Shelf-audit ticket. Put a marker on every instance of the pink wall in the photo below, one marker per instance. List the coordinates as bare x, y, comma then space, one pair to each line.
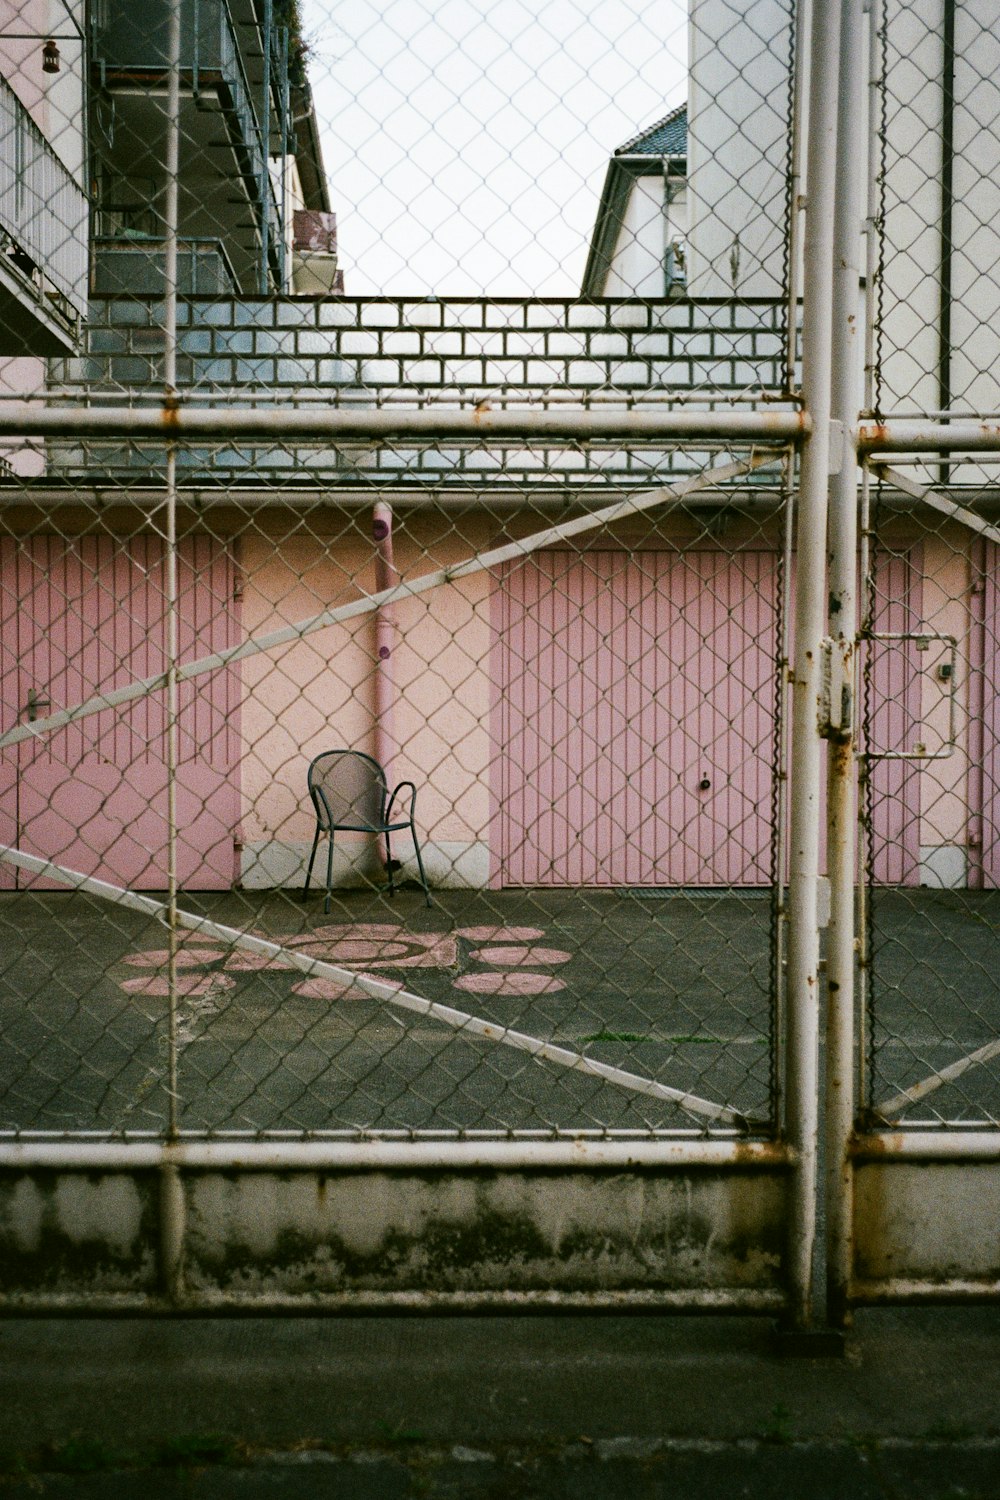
319, 693
617, 678
81, 617
637, 711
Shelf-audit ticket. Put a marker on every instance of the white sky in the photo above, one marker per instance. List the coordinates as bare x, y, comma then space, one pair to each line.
466, 143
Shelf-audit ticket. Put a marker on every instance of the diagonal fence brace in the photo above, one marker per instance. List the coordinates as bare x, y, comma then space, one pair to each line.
378, 989
632, 505
930, 1085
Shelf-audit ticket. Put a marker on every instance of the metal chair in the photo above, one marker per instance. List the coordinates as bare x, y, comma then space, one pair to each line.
350, 793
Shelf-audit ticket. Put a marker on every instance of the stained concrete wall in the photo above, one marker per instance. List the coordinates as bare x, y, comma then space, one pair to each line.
332, 1236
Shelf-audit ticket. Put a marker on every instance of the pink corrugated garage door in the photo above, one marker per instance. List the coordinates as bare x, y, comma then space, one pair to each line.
636, 718
87, 615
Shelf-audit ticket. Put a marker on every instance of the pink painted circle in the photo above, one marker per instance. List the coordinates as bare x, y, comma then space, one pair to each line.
158, 958
500, 934
512, 957
377, 930
240, 961
519, 983
356, 950
333, 989
187, 984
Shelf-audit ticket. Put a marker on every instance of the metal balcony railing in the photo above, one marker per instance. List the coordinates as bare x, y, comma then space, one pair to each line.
43, 213
135, 264
134, 40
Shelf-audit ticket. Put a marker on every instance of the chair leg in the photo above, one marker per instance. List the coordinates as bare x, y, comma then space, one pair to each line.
420, 865
388, 865
329, 876
312, 861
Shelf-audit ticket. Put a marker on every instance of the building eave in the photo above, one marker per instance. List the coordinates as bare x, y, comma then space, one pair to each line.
622, 172
309, 151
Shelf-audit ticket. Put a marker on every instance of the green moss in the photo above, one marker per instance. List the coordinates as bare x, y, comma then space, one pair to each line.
196, 1450
82, 1455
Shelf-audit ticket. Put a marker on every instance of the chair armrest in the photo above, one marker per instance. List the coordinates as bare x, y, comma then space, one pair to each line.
321, 808
395, 793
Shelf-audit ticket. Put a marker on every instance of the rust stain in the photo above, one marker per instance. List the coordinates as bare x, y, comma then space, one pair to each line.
874, 435
876, 1143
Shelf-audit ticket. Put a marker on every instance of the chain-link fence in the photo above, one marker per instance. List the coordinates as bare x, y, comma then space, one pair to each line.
931, 761
570, 654
418, 644
594, 901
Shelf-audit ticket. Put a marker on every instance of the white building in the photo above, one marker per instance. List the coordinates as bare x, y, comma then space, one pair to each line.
44, 209
638, 248
931, 187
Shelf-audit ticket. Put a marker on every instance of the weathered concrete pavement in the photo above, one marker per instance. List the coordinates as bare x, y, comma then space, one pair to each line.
544, 1407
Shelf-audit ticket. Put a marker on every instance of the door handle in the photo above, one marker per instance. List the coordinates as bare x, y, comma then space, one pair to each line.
35, 702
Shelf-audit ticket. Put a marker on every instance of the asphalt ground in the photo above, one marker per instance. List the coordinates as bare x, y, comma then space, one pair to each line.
670, 989
675, 986
536, 1408
671, 986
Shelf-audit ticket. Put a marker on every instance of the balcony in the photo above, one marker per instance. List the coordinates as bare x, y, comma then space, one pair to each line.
224, 128
43, 239
136, 265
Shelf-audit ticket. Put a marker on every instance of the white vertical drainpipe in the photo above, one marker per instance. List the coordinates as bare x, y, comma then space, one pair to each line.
385, 639
848, 359
801, 1110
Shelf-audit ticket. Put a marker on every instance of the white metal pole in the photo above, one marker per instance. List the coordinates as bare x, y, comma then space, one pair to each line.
253, 1151
847, 364
874, 196
872, 232
802, 1100
188, 420
172, 165
781, 771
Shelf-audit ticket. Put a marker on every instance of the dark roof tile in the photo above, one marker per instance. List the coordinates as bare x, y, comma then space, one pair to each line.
668, 137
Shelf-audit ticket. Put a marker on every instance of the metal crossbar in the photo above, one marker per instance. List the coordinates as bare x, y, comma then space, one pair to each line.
938, 502
888, 1109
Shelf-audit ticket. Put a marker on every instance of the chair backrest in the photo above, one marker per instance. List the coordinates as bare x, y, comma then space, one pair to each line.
348, 790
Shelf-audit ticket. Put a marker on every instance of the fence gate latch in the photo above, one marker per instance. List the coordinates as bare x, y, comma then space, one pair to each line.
836, 693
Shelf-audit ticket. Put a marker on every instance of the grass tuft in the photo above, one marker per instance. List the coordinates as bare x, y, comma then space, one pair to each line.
196, 1450
82, 1455
779, 1428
